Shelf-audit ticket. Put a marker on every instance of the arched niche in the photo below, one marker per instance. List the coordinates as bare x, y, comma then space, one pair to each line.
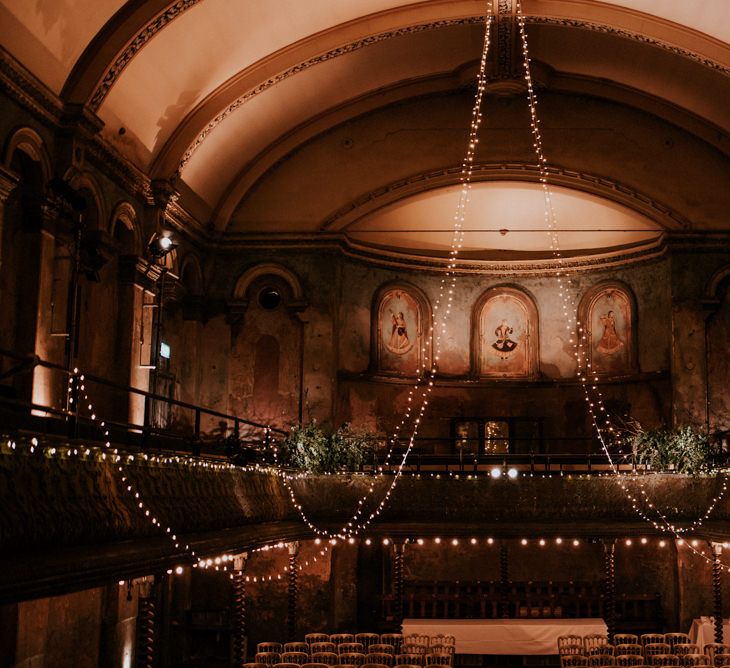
505, 334
191, 275
124, 229
29, 142
607, 329
401, 330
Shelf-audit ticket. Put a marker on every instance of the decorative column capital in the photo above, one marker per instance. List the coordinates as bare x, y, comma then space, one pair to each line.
8, 182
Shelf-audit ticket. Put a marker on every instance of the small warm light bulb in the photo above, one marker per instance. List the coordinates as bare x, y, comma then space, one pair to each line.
496, 473
542, 542
512, 473
643, 541
473, 541
559, 540
386, 541
454, 541
437, 540
629, 541
420, 541
490, 541
524, 541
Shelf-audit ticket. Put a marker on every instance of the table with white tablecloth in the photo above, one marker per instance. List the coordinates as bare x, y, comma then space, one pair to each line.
702, 631
505, 636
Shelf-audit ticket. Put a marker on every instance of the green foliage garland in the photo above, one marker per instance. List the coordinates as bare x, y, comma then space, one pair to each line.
314, 450
683, 450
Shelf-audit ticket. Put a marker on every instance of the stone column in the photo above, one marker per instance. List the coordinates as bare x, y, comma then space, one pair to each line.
292, 592
240, 630
717, 589
399, 549
609, 587
8, 183
146, 631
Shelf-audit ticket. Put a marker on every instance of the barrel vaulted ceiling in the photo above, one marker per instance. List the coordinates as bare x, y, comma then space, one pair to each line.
319, 117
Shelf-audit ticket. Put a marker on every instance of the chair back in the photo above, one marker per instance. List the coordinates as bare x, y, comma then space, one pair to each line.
651, 638
606, 649
442, 639
569, 640
573, 660
625, 639
653, 648
409, 659
413, 648
268, 658
269, 647
325, 646
347, 647
298, 646
367, 639
664, 660
395, 639
316, 637
353, 658
374, 665
601, 660
418, 639
380, 657
629, 648
439, 659
339, 638
673, 639
286, 664
721, 660
566, 650
629, 659
381, 648
686, 648
329, 658
314, 664
298, 658
712, 649
439, 647
695, 659
594, 640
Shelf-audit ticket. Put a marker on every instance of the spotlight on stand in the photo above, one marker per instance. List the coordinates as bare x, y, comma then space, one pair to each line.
160, 245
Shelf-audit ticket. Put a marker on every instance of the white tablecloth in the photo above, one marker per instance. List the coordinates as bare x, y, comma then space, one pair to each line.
505, 636
702, 631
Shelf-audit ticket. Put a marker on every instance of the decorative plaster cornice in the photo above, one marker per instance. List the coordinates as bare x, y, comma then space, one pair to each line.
592, 183
323, 57
134, 46
380, 37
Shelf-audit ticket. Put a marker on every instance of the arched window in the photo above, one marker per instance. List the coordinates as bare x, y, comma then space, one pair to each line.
401, 330
607, 316
505, 343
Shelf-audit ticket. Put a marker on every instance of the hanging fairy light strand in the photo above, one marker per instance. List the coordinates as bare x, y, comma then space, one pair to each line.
418, 395
579, 343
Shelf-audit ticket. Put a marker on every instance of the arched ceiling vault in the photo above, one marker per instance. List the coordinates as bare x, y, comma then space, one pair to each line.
221, 94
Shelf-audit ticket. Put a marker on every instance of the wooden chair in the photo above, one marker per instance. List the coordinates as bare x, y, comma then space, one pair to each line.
664, 660
695, 659
442, 639
569, 640
314, 664
311, 638
594, 640
367, 639
714, 648
413, 648
381, 648
353, 658
348, 647
440, 659
268, 658
654, 648
573, 660
683, 648
629, 659
651, 638
721, 660
269, 647
673, 639
329, 658
440, 647
607, 649
298, 646
601, 660
629, 648
339, 638
570, 650
297, 658
380, 657
417, 639
395, 639
326, 646
625, 639
410, 659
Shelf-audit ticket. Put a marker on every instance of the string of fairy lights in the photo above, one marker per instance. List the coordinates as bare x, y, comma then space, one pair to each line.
417, 398
580, 343
422, 389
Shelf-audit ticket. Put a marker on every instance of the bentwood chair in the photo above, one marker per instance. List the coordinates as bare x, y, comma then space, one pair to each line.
322, 647
339, 638
664, 660
413, 648
629, 659
625, 638
269, 647
712, 649
353, 658
395, 639
629, 648
374, 665
439, 659
298, 658
721, 660
569, 640
298, 646
673, 639
695, 659
651, 638
314, 664
311, 638
380, 657
607, 649
440, 647
347, 647
381, 648
328, 658
367, 639
683, 648
268, 658
654, 648
601, 660
594, 640
284, 664
409, 658
442, 639
573, 661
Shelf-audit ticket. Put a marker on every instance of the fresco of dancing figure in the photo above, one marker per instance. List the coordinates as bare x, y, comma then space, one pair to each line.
399, 331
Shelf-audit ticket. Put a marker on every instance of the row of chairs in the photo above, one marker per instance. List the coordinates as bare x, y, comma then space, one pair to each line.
441, 657
638, 661
324, 665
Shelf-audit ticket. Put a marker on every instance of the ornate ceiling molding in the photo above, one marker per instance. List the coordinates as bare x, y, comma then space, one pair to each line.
134, 47
505, 45
594, 184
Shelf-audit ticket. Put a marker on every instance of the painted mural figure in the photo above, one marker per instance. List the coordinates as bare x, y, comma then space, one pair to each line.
399, 342
504, 345
610, 341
